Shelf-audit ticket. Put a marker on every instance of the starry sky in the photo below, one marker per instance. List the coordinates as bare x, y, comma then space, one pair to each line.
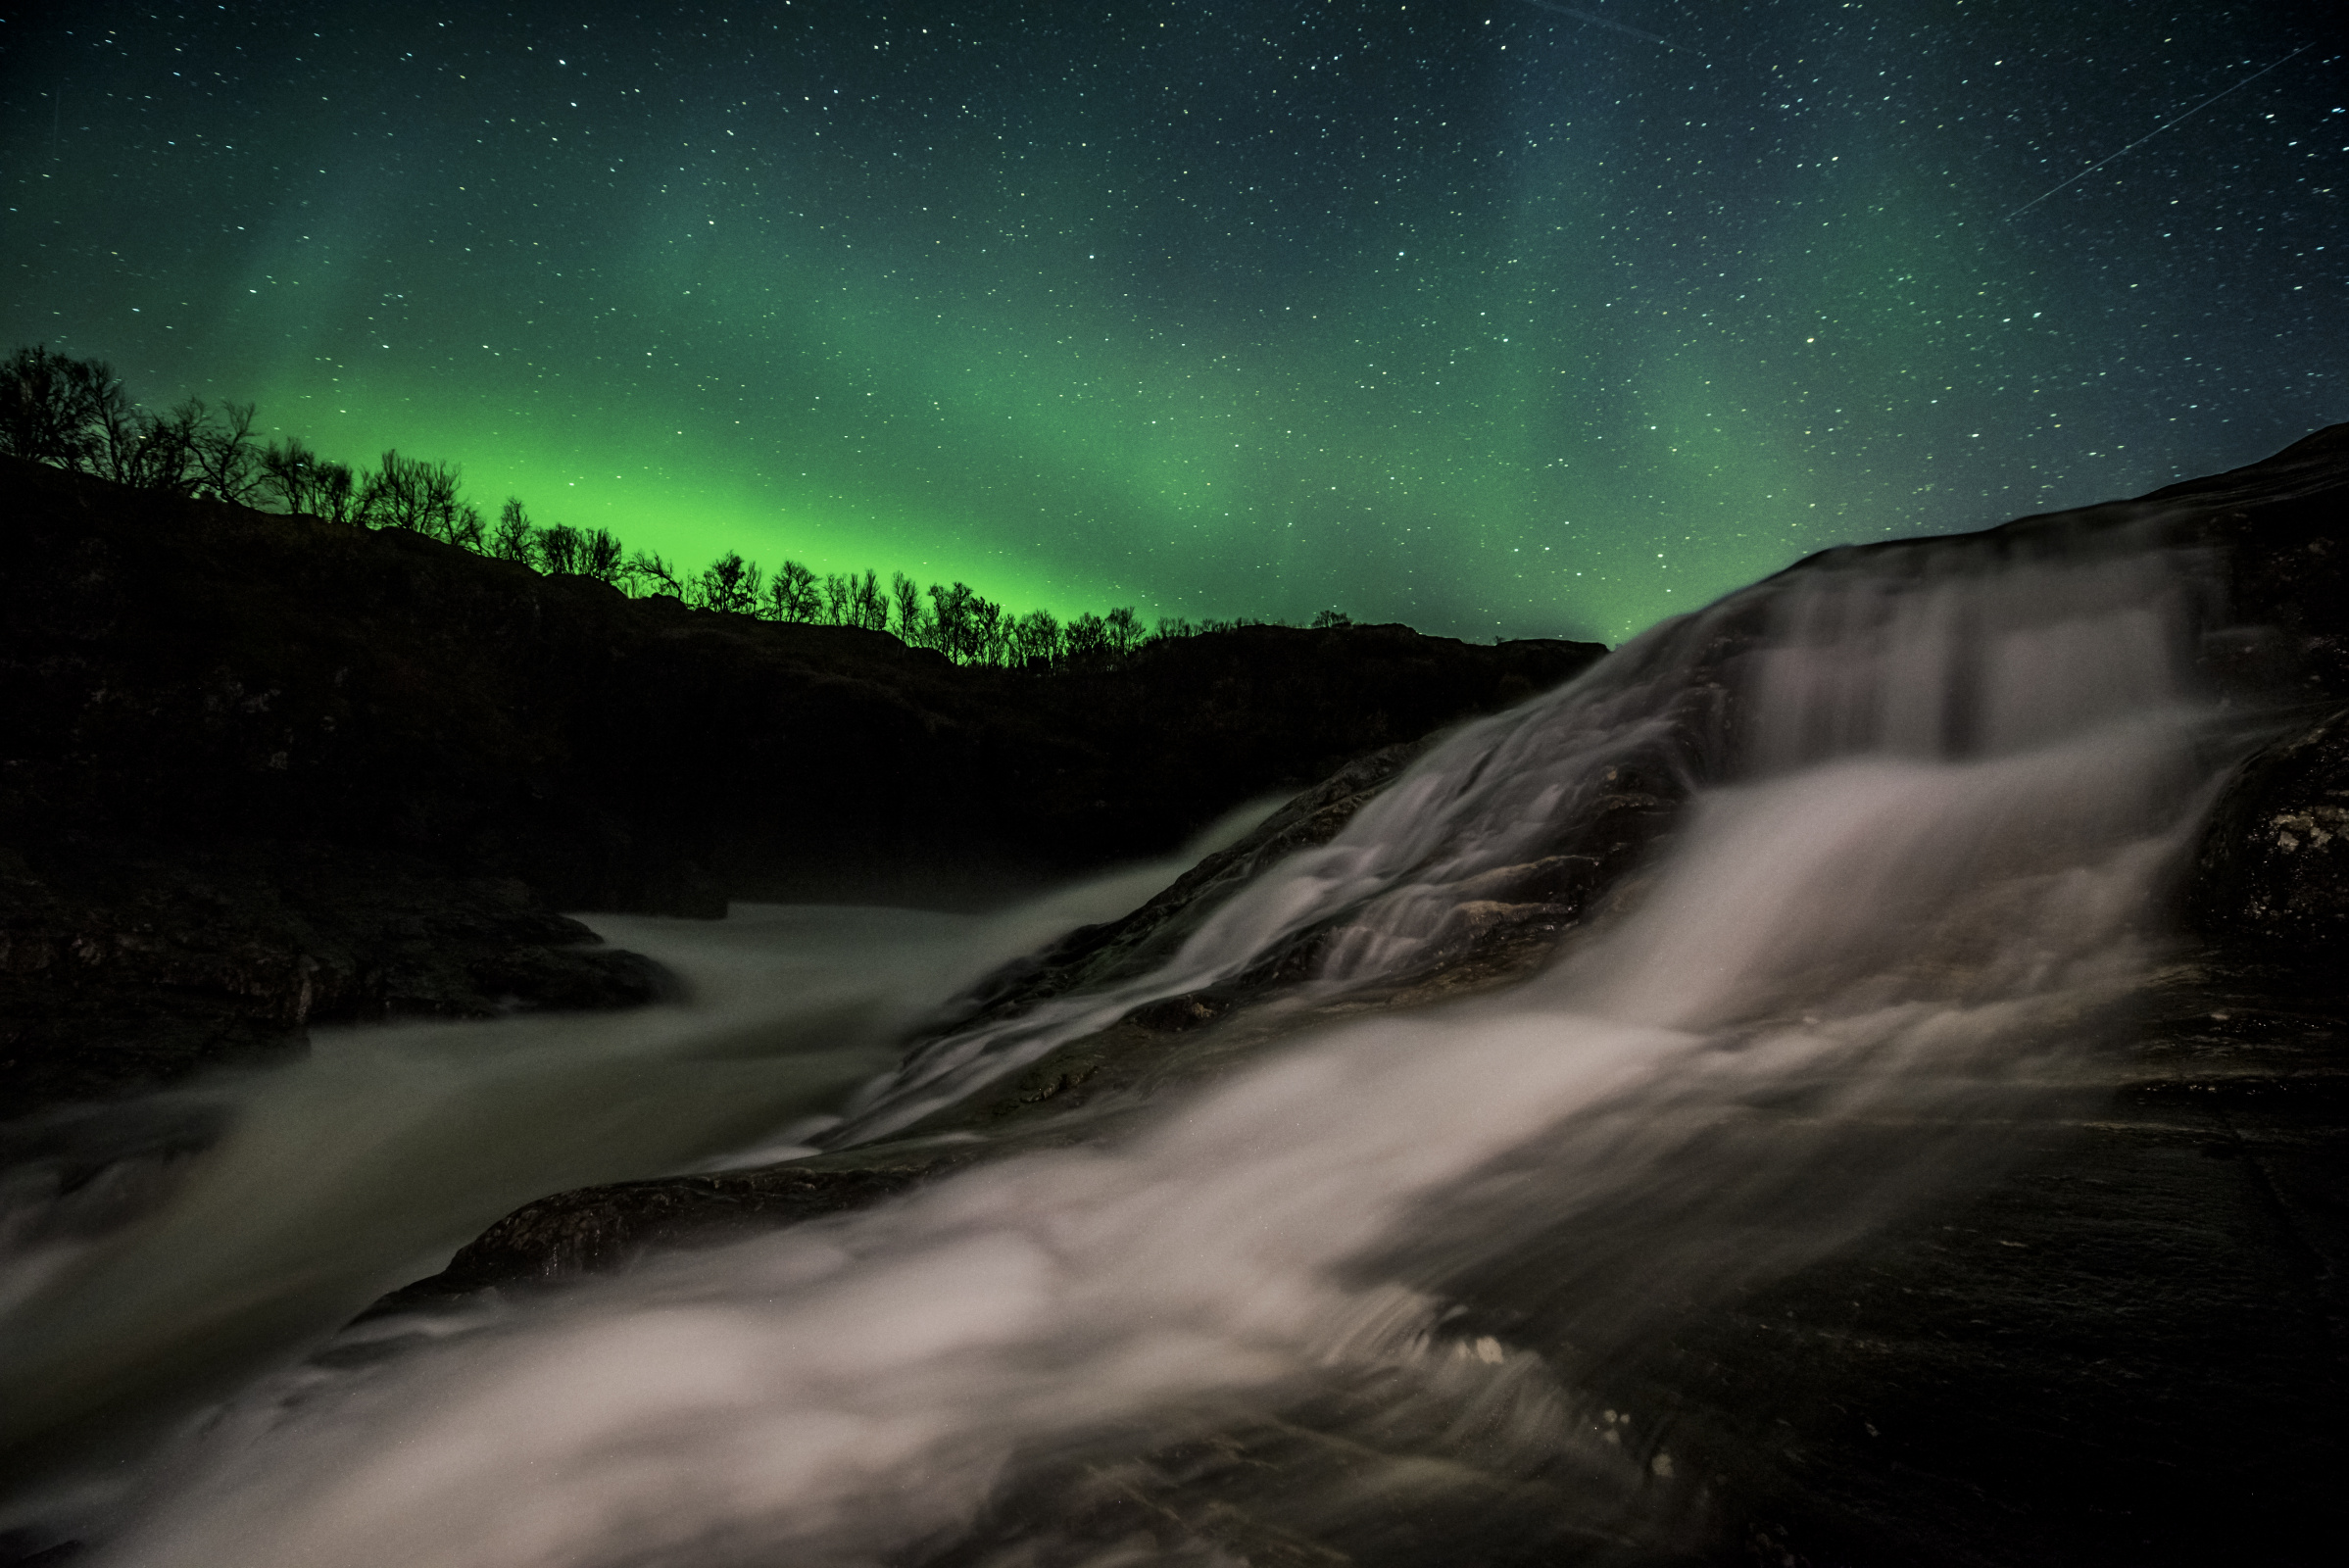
1501, 319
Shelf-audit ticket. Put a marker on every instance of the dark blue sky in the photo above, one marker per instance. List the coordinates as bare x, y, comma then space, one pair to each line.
1487, 317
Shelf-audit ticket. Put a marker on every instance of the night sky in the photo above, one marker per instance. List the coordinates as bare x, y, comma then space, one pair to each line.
1499, 318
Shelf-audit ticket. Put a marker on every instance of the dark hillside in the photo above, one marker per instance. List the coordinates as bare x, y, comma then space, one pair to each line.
188, 681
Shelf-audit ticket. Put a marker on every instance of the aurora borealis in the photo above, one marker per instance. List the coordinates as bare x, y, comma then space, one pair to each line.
1499, 319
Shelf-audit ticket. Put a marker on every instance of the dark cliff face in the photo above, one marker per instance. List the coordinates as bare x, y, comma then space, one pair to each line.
276, 712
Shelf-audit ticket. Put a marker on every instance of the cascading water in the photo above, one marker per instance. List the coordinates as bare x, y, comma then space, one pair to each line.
1935, 790
323, 1184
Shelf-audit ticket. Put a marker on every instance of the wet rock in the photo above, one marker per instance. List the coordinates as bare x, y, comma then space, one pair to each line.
278, 712
2273, 871
600, 1228
1096, 956
126, 964
2125, 1349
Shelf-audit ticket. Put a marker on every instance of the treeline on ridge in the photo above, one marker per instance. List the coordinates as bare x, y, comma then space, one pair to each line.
75, 414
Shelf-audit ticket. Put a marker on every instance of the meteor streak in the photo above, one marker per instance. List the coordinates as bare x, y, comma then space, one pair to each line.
2141, 140
1584, 15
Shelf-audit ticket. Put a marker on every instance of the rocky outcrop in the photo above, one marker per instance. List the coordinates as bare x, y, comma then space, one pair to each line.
2269, 885
2274, 873
2129, 1349
127, 963
2126, 1350
596, 1229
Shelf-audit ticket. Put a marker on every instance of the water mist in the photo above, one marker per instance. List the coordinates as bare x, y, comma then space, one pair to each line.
1380, 1273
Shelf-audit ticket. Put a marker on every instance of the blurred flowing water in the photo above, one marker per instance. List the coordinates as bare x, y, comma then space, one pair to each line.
1377, 1277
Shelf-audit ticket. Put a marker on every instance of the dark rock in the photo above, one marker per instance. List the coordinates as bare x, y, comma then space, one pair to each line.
196, 671
2127, 1348
2128, 1351
126, 965
2273, 872
282, 721
598, 1229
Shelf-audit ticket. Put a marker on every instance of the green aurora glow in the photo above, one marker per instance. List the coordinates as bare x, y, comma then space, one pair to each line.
1488, 322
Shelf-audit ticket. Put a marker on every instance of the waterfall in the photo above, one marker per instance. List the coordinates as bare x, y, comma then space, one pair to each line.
1382, 1270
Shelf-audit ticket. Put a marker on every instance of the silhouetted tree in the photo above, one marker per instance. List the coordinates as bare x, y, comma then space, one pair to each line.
466, 529
1327, 619
868, 602
60, 409
839, 598
793, 594
559, 549
1036, 638
950, 619
51, 407
291, 473
410, 493
730, 585
912, 623
227, 464
600, 556
990, 632
149, 452
513, 538
645, 575
337, 493
441, 510
1087, 637
590, 553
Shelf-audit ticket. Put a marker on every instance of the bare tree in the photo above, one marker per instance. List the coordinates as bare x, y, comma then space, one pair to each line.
336, 495
647, 576
228, 466
51, 407
1036, 638
389, 497
1123, 630
868, 602
950, 619
149, 452
442, 511
291, 472
559, 549
792, 595
465, 527
988, 632
912, 622
840, 590
410, 493
1086, 637
512, 538
729, 584
600, 556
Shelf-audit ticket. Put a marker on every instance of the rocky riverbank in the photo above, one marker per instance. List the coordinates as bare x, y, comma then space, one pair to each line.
2122, 1342
2128, 1348
260, 771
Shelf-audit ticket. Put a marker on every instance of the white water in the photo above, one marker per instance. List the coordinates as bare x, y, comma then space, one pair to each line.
352, 1172
1943, 786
